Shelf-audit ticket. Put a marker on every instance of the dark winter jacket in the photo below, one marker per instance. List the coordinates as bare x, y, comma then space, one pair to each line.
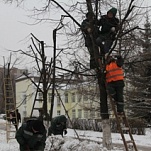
95, 32
28, 140
84, 26
58, 125
18, 116
107, 23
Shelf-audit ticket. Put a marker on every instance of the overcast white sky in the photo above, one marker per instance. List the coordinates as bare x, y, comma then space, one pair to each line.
14, 31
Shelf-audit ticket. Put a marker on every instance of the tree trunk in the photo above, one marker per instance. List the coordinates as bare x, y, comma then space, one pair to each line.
104, 111
107, 141
102, 86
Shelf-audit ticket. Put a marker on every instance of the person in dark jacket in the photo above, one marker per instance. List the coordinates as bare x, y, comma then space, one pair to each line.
16, 118
91, 32
109, 27
31, 136
115, 81
58, 126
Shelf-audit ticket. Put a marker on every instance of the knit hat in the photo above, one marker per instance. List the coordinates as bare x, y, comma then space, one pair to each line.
37, 125
113, 11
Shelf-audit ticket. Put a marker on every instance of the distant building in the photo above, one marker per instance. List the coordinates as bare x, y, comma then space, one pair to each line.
79, 101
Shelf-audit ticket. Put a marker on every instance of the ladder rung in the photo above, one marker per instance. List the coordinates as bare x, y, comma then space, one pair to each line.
9, 100
11, 138
14, 117
130, 141
11, 131
125, 128
38, 99
8, 117
10, 125
8, 111
8, 103
37, 108
8, 90
8, 85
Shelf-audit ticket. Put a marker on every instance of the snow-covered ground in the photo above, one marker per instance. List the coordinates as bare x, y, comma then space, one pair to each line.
88, 141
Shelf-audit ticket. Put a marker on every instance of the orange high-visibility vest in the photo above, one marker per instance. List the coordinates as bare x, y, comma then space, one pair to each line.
114, 72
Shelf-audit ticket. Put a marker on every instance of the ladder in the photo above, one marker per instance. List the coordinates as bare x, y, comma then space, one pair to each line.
36, 104
10, 106
123, 125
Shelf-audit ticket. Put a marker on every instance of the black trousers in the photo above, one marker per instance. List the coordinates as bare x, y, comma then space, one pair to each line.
115, 89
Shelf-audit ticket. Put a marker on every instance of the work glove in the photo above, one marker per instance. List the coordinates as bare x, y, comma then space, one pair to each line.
89, 30
65, 132
113, 29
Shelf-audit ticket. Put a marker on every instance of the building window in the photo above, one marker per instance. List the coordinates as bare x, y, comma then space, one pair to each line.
79, 97
92, 114
74, 113
98, 114
49, 97
73, 97
85, 98
85, 114
79, 113
58, 112
66, 97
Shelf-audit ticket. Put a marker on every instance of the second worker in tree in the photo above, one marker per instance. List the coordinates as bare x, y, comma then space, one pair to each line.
109, 27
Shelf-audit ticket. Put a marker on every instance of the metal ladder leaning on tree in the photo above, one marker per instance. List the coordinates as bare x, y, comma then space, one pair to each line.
38, 103
123, 125
39, 106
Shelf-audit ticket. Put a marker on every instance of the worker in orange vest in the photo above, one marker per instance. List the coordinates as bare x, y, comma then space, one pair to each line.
115, 80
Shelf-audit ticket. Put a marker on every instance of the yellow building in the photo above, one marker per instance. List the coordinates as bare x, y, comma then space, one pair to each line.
77, 100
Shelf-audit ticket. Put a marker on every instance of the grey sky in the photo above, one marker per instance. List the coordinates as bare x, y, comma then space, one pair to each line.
15, 32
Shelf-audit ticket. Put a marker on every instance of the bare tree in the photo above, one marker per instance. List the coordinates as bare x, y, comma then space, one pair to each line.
43, 67
124, 41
